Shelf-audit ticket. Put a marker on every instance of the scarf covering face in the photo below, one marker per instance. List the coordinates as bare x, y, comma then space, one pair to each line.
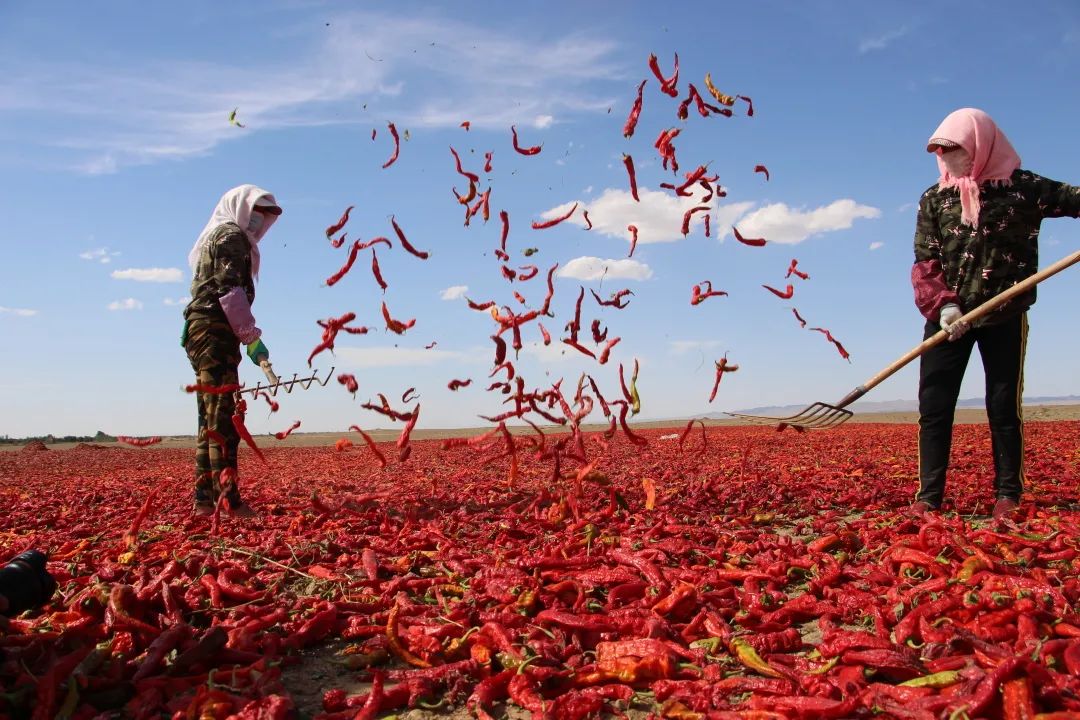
236, 206
993, 158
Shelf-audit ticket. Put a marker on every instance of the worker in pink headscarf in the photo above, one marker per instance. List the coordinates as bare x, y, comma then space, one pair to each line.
976, 235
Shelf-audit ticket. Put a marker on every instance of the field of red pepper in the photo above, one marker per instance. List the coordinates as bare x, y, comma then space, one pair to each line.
746, 574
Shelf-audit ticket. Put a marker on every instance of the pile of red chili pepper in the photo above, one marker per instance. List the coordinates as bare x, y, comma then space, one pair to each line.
731, 573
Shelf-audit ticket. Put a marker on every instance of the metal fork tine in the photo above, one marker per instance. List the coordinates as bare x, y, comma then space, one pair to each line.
818, 416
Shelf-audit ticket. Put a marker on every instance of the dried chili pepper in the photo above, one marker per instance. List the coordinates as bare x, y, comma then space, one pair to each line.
349, 381
332, 280
632, 229
395, 326
554, 221
792, 270
802, 323
689, 214
397, 146
588, 222
285, 433
242, 431
371, 444
784, 294
546, 335
762, 169
377, 271
749, 104
333, 229
487, 161
753, 242
454, 385
722, 367
635, 112
828, 336
614, 301
628, 161
535, 149
473, 177
423, 255
721, 98
667, 85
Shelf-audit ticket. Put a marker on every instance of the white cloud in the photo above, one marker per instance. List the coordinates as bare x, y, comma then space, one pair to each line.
880, 42
454, 292
160, 275
179, 301
658, 217
876, 244
587, 190
390, 356
905, 207
126, 304
20, 312
594, 268
107, 113
101, 255
681, 347
779, 223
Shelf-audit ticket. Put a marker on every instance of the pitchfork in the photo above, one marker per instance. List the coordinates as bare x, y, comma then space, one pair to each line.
274, 384
821, 415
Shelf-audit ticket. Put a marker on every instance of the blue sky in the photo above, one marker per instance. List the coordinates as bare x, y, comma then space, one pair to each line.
115, 146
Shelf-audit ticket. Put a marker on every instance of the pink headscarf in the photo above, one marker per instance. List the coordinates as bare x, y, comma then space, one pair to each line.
993, 157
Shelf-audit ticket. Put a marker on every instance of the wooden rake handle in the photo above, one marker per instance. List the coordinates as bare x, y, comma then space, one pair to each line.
940, 336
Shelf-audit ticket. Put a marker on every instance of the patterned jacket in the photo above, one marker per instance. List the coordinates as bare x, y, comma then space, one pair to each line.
225, 263
957, 263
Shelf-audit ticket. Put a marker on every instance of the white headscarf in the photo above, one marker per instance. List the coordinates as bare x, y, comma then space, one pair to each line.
236, 206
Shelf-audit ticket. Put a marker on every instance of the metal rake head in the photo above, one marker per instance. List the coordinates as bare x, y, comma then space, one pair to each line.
289, 385
818, 416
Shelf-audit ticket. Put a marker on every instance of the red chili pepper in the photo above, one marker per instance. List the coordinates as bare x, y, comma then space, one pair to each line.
762, 169
330, 281
508, 273
405, 395
455, 385
753, 242
131, 537
526, 150
783, 295
349, 381
828, 336
395, 326
802, 323
588, 222
603, 358
405, 243
527, 272
635, 113
473, 177
397, 146
333, 229
708, 226
371, 444
487, 161
242, 431
376, 271
689, 214
749, 104
406, 432
285, 433
703, 291
614, 301
138, 442
628, 161
227, 389
545, 334
792, 270
666, 149
722, 367
632, 229
667, 85
554, 221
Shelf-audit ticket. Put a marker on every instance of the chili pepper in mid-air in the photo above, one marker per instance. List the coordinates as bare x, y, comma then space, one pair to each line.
138, 442
546, 335
666, 149
431, 344
330, 281
527, 272
457, 160
523, 150
242, 431
721, 98
828, 336
615, 300
377, 271
487, 160
635, 399
405, 395
603, 357
798, 273
554, 221
628, 161
782, 294
466, 125
762, 169
689, 214
285, 433
802, 323
691, 178
371, 444
708, 226
455, 385
632, 229
588, 222
405, 243
333, 229
752, 242
397, 146
482, 307
635, 112
749, 104
349, 381
213, 389
667, 85
597, 336
703, 108
688, 428
395, 326
722, 367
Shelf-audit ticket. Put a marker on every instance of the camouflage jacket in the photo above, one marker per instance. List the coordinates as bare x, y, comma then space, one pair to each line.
225, 263
966, 265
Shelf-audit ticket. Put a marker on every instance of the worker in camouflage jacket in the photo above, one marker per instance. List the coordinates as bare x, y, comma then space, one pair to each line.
977, 235
218, 320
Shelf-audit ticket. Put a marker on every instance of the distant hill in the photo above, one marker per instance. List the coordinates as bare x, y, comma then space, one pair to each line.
887, 406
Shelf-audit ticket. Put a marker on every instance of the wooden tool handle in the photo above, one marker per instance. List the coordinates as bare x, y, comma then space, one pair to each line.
268, 370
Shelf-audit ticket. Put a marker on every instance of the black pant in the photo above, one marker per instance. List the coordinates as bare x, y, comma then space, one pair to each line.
941, 371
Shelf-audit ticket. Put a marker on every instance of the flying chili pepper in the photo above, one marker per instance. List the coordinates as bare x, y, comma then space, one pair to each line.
338, 242
397, 146
762, 169
509, 273
691, 178
233, 120
667, 85
840, 348
722, 367
554, 221
269, 400
374, 132
466, 125
457, 160
635, 398
333, 229
330, 281
791, 270
688, 215
454, 385
703, 291
482, 307
376, 271
213, 389
487, 161
802, 323
721, 98
629, 163
588, 222
579, 347
597, 336
405, 243
603, 357
526, 150
371, 444
783, 295
431, 344
752, 242
688, 428
527, 272
395, 326
615, 300
666, 149
349, 381
138, 442
632, 229
405, 395
749, 103
708, 226
285, 433
545, 334
635, 112
703, 107
242, 431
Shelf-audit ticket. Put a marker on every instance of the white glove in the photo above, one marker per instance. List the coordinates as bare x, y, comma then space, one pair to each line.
950, 315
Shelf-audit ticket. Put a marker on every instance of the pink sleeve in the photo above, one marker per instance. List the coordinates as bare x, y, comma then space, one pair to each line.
238, 311
931, 292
